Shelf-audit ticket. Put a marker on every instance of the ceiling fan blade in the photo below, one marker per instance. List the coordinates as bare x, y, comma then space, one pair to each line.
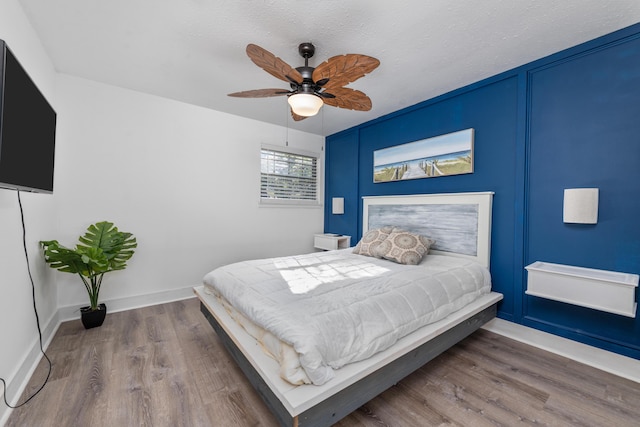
259, 93
344, 69
297, 117
350, 99
272, 64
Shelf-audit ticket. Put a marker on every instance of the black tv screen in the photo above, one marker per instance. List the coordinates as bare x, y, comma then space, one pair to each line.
27, 130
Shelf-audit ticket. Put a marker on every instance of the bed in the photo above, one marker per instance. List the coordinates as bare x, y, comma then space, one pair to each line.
460, 225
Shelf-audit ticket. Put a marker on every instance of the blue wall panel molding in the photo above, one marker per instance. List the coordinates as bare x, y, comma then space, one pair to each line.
491, 110
601, 339
584, 131
341, 180
569, 120
520, 203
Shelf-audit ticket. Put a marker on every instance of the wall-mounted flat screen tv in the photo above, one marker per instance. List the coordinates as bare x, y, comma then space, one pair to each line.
27, 129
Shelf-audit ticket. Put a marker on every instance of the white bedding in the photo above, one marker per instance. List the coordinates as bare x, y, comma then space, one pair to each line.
337, 307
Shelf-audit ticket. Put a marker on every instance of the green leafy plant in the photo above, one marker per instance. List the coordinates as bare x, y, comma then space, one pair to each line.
102, 249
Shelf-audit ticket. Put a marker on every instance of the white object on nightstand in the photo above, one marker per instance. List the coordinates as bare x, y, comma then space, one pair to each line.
330, 241
603, 290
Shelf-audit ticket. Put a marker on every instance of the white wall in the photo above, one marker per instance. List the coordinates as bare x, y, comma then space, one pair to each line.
18, 333
183, 179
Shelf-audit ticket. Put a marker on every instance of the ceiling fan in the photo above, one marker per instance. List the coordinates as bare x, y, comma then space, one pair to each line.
313, 87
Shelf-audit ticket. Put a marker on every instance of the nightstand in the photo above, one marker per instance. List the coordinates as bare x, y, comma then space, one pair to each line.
331, 241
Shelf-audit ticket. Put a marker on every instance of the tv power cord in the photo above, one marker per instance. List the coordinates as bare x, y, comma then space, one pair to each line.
35, 310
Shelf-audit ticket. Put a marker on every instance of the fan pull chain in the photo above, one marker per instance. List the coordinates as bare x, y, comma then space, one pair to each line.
286, 142
323, 135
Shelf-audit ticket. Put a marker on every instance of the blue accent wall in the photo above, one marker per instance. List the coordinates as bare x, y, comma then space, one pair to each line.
341, 180
569, 120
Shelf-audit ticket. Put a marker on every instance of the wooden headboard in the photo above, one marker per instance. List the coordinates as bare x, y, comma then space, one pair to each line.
460, 223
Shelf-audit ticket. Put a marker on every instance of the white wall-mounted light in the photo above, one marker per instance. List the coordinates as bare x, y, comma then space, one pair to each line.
580, 206
337, 205
305, 104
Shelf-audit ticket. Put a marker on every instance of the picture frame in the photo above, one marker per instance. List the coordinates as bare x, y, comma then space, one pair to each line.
443, 155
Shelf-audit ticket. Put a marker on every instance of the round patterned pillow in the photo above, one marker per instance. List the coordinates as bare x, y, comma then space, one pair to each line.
371, 240
404, 247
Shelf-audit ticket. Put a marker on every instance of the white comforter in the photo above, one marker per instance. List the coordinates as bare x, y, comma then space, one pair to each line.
337, 307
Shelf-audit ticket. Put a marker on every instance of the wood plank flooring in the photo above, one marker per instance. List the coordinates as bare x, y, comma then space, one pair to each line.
164, 366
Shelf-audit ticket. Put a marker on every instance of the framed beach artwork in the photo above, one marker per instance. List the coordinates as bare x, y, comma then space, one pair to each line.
450, 154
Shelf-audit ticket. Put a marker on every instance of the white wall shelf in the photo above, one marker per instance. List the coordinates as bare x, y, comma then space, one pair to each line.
331, 241
603, 290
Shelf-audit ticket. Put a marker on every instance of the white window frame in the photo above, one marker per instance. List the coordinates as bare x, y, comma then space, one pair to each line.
293, 202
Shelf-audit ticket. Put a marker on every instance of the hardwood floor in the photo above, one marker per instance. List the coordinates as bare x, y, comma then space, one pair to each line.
164, 366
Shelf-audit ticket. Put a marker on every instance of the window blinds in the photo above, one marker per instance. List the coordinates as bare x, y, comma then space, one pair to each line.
288, 176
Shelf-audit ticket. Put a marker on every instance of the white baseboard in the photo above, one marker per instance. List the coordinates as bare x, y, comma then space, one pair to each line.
71, 312
607, 361
17, 382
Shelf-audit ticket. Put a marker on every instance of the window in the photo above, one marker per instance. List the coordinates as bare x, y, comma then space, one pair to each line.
288, 177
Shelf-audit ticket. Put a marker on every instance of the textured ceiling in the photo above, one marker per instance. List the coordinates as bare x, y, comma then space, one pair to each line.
194, 50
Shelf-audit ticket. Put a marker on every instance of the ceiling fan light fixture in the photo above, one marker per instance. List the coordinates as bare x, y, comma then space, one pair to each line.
312, 87
305, 104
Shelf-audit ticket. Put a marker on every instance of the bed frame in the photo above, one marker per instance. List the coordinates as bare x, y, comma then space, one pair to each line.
357, 383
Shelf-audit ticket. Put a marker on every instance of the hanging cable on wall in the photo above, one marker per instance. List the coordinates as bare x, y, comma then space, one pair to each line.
35, 310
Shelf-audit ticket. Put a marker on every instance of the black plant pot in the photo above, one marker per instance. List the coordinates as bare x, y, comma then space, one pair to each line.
93, 318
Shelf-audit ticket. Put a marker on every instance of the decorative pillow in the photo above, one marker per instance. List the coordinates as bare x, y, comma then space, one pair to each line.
404, 247
371, 239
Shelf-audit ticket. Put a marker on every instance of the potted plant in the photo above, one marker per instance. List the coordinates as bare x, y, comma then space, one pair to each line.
102, 249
